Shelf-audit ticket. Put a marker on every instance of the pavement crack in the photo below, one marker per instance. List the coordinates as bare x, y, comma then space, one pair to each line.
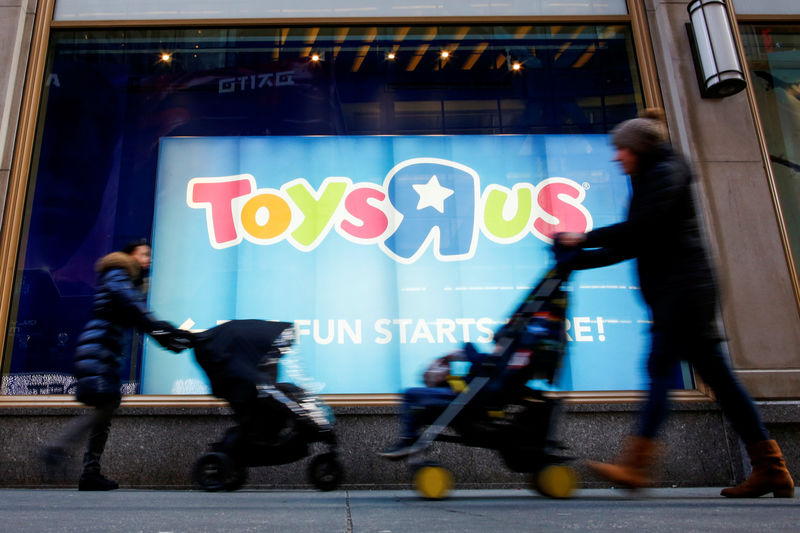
348, 515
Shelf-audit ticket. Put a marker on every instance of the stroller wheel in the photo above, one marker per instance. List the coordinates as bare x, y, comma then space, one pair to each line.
213, 471
325, 472
433, 481
554, 481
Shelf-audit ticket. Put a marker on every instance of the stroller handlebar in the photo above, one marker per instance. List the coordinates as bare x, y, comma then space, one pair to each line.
564, 256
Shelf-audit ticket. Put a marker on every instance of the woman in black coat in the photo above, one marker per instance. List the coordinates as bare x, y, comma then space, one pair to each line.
119, 304
677, 282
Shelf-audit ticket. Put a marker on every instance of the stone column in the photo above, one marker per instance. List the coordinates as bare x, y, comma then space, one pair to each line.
16, 29
759, 309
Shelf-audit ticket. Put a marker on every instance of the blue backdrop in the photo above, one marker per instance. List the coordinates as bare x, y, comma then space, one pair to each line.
386, 251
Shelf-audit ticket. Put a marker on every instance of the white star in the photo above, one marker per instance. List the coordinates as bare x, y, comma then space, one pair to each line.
432, 194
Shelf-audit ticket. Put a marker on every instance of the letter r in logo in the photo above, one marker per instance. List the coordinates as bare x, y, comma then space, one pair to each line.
437, 200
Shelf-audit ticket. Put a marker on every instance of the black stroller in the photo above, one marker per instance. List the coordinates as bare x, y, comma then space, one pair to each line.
496, 409
275, 422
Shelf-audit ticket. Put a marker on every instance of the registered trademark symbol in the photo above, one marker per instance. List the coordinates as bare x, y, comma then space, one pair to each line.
585, 185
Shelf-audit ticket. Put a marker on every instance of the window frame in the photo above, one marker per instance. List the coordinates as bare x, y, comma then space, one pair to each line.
761, 134
23, 158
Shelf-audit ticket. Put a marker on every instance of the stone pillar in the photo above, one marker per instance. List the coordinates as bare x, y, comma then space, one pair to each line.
16, 29
759, 308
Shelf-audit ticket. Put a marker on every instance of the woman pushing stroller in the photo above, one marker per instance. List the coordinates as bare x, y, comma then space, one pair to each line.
677, 282
119, 304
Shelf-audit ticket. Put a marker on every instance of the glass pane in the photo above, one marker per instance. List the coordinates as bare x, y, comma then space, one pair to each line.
324, 121
773, 57
78, 10
760, 7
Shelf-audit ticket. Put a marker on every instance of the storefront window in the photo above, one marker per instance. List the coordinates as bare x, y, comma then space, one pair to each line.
85, 10
759, 7
328, 133
773, 57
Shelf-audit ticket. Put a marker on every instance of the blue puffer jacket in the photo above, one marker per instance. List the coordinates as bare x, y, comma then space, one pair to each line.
118, 304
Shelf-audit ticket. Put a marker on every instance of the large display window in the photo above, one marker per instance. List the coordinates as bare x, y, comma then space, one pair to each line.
392, 190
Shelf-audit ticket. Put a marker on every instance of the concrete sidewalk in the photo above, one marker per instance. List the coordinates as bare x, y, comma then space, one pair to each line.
389, 511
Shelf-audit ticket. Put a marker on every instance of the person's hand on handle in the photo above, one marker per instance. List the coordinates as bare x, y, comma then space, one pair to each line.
570, 238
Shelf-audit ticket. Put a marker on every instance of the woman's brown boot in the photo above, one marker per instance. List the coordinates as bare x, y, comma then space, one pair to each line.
769, 474
632, 468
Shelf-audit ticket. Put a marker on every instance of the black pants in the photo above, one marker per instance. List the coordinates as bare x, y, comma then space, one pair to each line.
243, 399
709, 361
97, 425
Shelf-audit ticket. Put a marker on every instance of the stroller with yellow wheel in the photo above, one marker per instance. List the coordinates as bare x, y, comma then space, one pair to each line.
493, 406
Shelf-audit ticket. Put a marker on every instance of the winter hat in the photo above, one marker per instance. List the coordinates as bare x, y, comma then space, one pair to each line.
643, 134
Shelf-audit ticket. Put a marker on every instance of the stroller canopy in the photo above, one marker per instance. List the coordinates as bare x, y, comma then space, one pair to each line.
235, 350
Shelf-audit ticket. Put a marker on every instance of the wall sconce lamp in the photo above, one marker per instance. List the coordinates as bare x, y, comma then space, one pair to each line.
716, 59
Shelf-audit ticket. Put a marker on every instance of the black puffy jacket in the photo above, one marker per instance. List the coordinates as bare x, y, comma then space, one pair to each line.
118, 304
662, 233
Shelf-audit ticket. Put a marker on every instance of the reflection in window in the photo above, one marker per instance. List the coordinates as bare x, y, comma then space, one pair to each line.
773, 56
110, 95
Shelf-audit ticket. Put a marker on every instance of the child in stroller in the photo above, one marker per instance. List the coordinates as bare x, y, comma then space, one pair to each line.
493, 406
275, 422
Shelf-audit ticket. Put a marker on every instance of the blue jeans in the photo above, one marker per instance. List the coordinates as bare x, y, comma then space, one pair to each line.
421, 405
711, 365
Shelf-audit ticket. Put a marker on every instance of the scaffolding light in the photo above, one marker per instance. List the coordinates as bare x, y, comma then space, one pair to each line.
716, 58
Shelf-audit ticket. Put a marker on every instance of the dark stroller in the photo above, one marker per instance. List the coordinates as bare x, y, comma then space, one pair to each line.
496, 409
275, 422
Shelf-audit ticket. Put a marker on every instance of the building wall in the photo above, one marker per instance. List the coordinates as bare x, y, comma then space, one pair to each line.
157, 447
16, 28
759, 305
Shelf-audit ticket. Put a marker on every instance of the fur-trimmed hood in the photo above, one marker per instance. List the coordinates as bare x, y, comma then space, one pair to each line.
119, 260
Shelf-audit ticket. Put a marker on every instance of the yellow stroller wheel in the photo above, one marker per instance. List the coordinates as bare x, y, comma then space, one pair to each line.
554, 481
433, 481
